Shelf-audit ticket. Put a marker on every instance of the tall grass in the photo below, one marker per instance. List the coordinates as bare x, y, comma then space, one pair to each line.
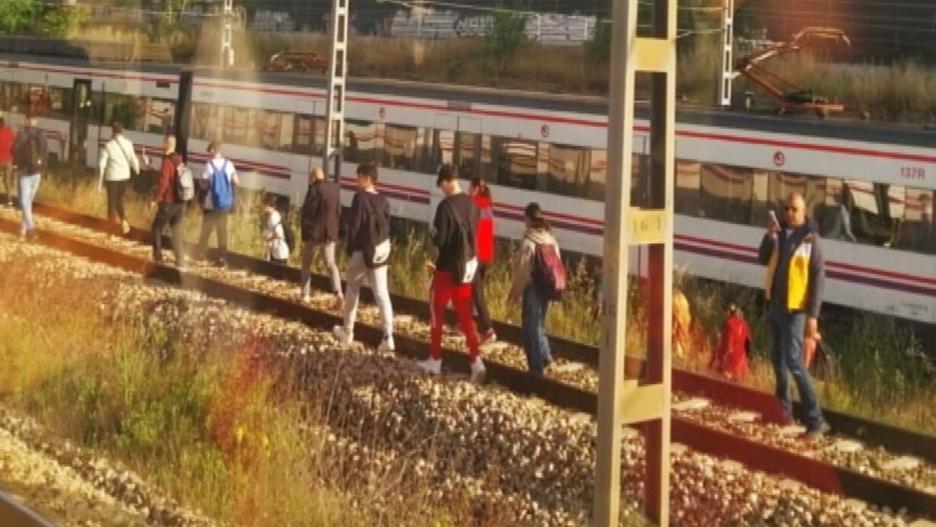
205, 417
884, 349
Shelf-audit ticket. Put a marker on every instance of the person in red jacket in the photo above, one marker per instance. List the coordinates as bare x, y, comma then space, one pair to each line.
730, 358
480, 193
6, 161
169, 207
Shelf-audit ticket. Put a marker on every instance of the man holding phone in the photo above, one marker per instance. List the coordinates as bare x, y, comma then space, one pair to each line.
795, 278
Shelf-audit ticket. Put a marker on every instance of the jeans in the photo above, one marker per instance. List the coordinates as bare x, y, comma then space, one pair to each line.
168, 214
444, 289
377, 277
533, 324
787, 334
480, 302
115, 199
28, 187
308, 254
214, 221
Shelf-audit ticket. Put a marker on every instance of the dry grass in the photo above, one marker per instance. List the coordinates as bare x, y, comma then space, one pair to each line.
206, 420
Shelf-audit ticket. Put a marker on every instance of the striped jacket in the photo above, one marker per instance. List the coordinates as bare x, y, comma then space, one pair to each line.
795, 268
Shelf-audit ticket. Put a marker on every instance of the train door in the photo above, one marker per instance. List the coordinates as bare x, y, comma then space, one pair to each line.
80, 119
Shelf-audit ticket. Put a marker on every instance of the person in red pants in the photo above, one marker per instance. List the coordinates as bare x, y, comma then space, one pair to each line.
454, 228
730, 358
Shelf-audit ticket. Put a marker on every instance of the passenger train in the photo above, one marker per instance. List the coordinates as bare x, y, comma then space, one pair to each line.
870, 186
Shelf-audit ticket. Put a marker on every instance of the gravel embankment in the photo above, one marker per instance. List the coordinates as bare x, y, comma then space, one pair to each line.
531, 461
841, 451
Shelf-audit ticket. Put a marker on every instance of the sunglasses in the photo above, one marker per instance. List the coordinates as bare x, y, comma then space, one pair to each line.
790, 209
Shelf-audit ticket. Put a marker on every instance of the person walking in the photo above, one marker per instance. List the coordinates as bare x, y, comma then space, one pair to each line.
219, 182
480, 193
168, 203
321, 211
6, 161
535, 301
116, 165
454, 227
795, 279
29, 156
369, 256
273, 231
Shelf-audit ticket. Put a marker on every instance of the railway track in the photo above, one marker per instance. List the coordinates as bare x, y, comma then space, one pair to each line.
15, 514
691, 425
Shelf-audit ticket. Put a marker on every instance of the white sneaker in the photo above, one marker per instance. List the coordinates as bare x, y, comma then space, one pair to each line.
477, 370
345, 337
430, 366
386, 344
125, 227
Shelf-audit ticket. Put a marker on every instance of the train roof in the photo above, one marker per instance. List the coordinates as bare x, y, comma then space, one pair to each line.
805, 125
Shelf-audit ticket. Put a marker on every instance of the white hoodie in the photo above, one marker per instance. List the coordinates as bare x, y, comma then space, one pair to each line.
116, 160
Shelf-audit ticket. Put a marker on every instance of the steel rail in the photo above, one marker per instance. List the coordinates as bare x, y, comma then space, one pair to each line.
820, 475
15, 514
895, 439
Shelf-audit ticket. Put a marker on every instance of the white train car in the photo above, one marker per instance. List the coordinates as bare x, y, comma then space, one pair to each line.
731, 168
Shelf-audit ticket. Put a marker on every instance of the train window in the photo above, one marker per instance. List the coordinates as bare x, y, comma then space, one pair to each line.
444, 148
726, 193
268, 129
119, 108
237, 125
10, 96
567, 169
206, 121
516, 163
486, 168
466, 157
400, 147
918, 230
780, 185
60, 102
868, 207
597, 175
360, 144
425, 151
688, 181
309, 136
760, 198
154, 115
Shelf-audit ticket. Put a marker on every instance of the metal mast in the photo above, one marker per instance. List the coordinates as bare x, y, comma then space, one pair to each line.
227, 34
727, 72
337, 75
625, 401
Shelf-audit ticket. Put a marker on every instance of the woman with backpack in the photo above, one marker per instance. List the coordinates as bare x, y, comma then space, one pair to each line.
480, 193
273, 231
538, 279
169, 201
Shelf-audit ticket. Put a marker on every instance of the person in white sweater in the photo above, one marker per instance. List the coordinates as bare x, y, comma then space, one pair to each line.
117, 163
273, 232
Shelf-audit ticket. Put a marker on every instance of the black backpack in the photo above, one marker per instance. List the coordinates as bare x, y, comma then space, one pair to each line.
464, 246
378, 227
29, 154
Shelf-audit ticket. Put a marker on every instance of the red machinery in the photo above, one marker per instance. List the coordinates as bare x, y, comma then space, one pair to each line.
795, 98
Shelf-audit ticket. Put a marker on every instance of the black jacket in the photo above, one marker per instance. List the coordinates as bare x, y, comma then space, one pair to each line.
320, 212
362, 206
445, 227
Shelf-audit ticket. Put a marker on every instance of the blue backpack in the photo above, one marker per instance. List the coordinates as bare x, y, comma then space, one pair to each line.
222, 192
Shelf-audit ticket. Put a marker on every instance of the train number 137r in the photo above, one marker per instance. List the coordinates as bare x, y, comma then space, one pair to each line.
916, 173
